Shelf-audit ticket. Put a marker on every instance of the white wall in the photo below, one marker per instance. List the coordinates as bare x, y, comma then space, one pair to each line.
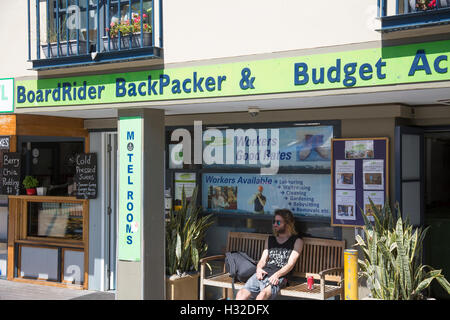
14, 39
206, 29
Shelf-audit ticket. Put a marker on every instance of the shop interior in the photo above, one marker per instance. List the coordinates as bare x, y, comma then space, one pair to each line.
437, 205
52, 163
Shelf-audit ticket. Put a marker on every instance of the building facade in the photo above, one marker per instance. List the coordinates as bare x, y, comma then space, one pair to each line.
123, 80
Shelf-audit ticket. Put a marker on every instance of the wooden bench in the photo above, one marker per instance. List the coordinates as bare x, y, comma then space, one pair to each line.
321, 258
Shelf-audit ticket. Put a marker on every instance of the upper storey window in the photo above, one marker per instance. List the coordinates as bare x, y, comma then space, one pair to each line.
82, 32
407, 14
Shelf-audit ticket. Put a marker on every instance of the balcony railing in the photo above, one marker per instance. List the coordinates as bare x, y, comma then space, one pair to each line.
408, 14
65, 33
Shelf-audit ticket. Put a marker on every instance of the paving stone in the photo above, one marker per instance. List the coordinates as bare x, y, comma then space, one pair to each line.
10, 290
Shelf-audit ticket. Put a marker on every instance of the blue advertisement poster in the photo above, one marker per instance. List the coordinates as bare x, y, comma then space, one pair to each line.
306, 147
307, 195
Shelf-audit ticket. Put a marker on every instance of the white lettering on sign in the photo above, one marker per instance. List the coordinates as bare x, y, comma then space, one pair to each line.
7, 161
6, 95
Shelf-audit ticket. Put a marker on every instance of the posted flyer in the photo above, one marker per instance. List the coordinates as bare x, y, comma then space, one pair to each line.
377, 198
187, 181
359, 149
345, 204
345, 174
373, 177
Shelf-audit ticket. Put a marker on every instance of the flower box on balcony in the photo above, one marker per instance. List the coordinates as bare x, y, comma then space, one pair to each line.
424, 5
125, 41
53, 52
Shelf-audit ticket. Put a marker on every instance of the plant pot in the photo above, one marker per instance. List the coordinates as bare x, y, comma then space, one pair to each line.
182, 288
114, 43
146, 37
125, 42
31, 191
52, 53
41, 191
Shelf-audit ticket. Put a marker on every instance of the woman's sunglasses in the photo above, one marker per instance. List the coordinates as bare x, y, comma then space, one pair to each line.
277, 222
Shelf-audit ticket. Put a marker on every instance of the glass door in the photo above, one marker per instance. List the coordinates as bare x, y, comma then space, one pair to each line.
409, 168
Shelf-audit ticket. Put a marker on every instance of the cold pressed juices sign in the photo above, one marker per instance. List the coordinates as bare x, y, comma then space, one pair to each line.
130, 188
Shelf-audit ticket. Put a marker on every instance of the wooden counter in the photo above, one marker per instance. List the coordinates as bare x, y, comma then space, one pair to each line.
20, 236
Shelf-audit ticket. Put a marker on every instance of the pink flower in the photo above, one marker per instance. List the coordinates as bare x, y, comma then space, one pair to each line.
144, 15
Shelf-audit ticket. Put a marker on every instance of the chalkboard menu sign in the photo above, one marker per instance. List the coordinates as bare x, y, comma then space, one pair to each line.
86, 175
4, 147
10, 173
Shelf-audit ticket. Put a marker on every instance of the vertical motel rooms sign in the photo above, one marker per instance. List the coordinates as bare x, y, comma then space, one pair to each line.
130, 188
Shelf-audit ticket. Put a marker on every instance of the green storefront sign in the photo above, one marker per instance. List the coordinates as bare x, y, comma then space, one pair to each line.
413, 63
6, 95
130, 188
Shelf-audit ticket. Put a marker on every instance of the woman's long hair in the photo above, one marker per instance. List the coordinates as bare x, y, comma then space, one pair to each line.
288, 218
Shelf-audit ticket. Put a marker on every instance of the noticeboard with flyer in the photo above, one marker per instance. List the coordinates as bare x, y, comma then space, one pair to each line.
359, 174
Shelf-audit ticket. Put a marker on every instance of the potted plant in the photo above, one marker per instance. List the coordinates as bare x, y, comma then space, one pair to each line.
50, 48
185, 232
128, 29
422, 5
392, 263
30, 183
41, 191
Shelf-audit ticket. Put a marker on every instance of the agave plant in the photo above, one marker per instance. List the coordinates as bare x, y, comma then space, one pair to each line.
392, 262
185, 232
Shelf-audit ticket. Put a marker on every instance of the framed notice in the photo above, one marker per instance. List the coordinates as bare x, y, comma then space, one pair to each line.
359, 174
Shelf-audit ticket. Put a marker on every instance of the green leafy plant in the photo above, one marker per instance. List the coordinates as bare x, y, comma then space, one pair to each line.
185, 232
127, 27
392, 262
30, 182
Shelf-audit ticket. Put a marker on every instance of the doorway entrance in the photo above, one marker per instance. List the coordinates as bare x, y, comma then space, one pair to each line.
437, 204
111, 185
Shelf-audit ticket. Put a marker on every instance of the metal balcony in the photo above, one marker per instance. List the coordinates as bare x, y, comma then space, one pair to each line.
409, 14
64, 33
